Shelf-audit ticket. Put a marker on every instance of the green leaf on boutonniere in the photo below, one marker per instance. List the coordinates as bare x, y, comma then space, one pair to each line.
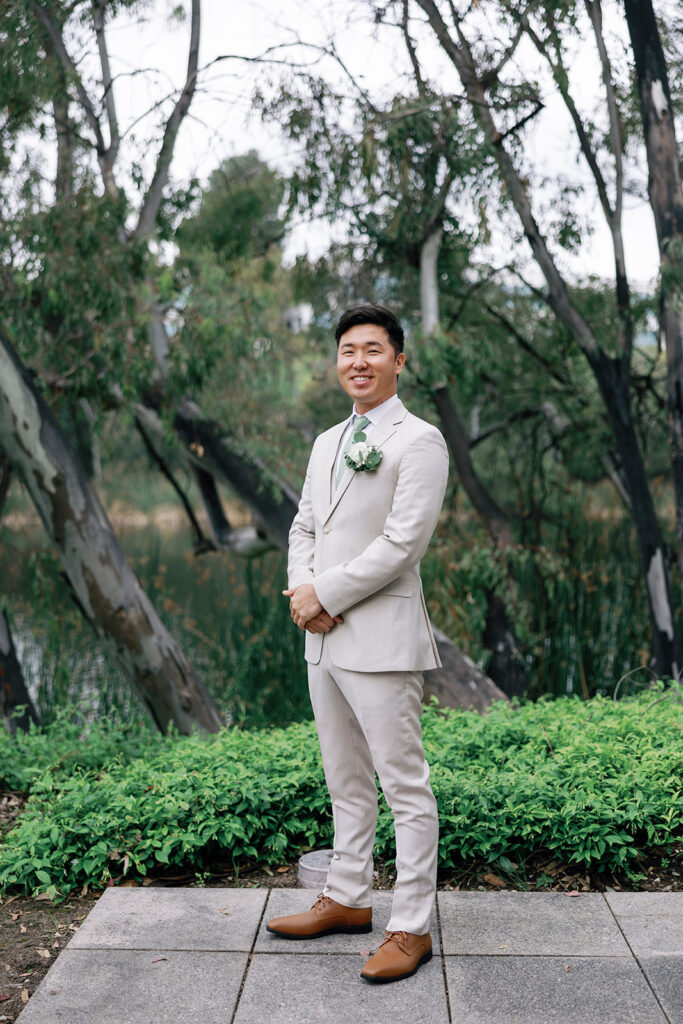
373, 460
358, 436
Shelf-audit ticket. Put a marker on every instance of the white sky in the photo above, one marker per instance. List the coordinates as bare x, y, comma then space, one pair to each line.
220, 124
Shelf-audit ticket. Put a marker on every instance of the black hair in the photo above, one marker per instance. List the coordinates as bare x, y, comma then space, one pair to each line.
367, 313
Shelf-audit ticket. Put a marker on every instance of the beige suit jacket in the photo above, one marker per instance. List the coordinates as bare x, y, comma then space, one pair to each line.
361, 545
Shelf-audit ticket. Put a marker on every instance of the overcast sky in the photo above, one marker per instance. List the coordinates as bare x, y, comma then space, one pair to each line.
221, 125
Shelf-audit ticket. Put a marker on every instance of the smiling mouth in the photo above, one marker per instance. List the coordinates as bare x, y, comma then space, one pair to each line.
360, 380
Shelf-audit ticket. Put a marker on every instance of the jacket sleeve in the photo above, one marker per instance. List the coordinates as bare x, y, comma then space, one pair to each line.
302, 537
420, 488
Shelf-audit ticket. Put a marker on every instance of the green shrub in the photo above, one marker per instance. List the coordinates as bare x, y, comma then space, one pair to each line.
593, 782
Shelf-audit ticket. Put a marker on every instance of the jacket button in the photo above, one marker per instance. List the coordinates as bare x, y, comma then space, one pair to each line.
326, 531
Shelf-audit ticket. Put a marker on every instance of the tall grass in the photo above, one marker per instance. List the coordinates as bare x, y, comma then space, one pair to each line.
578, 605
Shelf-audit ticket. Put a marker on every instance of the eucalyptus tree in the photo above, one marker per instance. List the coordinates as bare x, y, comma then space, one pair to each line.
478, 42
76, 261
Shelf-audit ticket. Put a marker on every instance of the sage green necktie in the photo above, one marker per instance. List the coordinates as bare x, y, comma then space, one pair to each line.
358, 425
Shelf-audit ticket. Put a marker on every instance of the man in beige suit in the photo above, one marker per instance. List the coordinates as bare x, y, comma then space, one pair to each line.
371, 500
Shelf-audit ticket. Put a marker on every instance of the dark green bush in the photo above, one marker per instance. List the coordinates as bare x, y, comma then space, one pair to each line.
592, 782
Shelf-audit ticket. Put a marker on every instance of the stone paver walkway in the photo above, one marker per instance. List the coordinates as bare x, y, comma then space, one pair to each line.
162, 956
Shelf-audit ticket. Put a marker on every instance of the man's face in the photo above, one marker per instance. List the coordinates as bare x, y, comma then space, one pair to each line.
367, 365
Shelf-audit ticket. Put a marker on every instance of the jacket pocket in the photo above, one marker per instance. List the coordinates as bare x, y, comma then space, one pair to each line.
402, 586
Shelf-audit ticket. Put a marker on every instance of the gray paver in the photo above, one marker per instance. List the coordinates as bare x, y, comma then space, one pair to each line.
665, 974
161, 956
191, 919
112, 986
651, 921
294, 901
528, 923
540, 990
309, 989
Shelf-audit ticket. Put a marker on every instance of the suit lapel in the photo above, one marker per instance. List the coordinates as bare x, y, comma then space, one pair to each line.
381, 433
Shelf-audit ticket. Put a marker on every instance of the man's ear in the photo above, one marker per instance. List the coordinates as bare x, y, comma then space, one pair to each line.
400, 362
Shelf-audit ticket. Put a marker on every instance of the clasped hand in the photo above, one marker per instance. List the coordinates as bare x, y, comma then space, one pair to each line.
307, 611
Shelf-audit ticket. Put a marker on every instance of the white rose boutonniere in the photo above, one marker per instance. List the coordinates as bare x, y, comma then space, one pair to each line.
362, 457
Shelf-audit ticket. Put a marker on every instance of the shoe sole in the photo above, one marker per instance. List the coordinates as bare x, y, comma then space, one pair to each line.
349, 929
399, 977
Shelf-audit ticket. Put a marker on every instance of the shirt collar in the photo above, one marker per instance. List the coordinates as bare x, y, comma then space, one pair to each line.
380, 411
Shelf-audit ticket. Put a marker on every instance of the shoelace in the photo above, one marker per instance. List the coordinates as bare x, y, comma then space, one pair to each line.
400, 937
321, 903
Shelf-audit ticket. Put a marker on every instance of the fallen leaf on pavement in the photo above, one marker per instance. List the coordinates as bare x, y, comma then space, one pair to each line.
573, 892
24, 995
285, 867
45, 953
159, 958
224, 910
4, 996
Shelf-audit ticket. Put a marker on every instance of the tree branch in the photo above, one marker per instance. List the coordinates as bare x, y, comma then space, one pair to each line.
201, 543
107, 83
419, 81
152, 201
55, 38
523, 343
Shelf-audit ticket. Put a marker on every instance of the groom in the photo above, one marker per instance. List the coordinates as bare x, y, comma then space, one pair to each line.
370, 502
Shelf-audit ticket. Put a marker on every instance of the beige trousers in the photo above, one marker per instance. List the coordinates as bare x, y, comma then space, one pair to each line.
370, 722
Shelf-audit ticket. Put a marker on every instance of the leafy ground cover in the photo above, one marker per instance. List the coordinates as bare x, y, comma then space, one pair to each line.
594, 785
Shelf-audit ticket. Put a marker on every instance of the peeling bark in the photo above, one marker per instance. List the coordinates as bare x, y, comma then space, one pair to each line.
13, 692
429, 281
103, 584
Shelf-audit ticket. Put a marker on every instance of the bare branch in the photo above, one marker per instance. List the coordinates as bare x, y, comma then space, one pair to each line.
419, 81
491, 76
152, 201
495, 428
55, 38
623, 292
612, 214
526, 345
114, 137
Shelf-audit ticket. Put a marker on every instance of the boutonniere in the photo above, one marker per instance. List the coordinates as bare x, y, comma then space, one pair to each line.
362, 457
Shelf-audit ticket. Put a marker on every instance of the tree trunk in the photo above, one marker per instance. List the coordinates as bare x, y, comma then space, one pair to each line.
13, 692
506, 667
102, 583
666, 200
613, 386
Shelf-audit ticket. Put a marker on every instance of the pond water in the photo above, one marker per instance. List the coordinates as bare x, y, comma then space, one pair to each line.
227, 613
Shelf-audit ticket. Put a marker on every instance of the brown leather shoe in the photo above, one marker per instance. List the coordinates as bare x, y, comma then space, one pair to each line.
398, 957
326, 917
